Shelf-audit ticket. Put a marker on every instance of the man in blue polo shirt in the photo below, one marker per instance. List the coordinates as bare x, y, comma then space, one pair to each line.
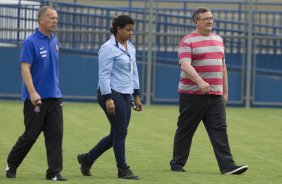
42, 97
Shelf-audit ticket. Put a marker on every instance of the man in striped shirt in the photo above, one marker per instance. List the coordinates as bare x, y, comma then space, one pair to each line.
203, 89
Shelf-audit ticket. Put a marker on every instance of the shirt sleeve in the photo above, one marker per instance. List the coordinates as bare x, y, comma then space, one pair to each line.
184, 51
136, 85
27, 52
106, 59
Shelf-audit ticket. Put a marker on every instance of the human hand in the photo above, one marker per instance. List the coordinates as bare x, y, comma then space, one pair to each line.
205, 87
138, 104
110, 107
35, 98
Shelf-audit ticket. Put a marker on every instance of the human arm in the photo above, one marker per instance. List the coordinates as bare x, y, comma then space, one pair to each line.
136, 87
27, 79
105, 69
194, 76
185, 55
225, 83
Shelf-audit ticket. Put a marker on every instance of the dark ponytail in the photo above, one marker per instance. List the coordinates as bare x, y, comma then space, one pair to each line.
120, 21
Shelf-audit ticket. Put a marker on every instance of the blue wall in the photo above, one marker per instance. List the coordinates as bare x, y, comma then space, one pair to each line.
78, 75
10, 80
79, 78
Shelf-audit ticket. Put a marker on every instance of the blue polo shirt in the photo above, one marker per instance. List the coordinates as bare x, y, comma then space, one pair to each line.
42, 53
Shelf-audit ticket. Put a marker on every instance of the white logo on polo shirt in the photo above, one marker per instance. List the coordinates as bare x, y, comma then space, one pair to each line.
57, 48
43, 53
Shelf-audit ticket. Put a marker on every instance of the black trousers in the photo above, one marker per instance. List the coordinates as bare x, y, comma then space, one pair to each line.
211, 110
50, 121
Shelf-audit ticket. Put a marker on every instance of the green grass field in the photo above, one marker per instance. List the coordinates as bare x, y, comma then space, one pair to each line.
255, 137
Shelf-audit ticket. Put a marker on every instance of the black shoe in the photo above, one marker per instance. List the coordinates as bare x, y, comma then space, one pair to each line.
84, 165
126, 174
177, 168
11, 172
58, 177
237, 170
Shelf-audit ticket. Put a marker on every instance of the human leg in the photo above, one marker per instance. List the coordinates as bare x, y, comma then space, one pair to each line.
119, 124
33, 125
53, 133
191, 110
105, 143
215, 124
124, 171
116, 138
86, 160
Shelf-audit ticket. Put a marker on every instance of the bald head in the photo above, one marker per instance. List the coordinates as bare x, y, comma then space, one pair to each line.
43, 10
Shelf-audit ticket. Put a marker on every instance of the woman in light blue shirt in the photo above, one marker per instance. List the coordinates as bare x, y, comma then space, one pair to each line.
118, 81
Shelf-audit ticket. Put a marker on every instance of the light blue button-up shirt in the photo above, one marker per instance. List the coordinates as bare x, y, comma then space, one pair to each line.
117, 68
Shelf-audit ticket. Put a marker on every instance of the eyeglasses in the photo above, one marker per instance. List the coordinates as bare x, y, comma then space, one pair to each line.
206, 19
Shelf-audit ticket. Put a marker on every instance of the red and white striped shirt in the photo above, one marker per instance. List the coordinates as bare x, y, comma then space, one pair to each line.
206, 54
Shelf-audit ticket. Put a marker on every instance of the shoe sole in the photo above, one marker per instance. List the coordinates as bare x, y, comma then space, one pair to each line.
178, 170
11, 176
130, 178
52, 179
239, 170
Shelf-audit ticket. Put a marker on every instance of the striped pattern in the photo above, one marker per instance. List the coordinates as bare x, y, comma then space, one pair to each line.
206, 54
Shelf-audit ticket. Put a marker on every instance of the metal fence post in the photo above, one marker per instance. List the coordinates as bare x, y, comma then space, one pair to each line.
18, 21
149, 57
249, 56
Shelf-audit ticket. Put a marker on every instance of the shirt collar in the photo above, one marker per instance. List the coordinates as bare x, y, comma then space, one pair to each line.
41, 35
113, 40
